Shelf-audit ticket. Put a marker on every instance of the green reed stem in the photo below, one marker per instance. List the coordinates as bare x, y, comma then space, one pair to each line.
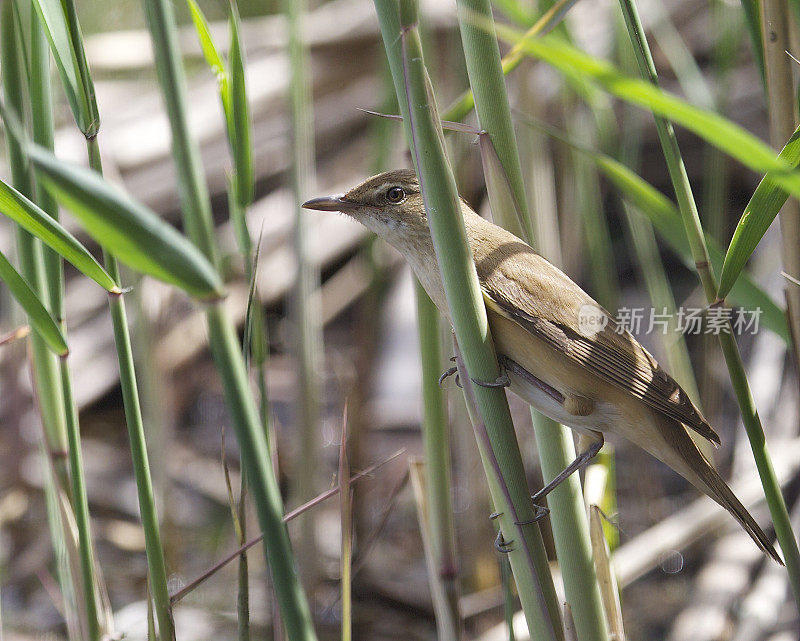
305, 302
782, 105
45, 366
555, 444
436, 443
196, 206
81, 507
156, 563
499, 450
733, 359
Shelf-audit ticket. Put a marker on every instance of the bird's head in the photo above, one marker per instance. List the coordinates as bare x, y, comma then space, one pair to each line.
389, 204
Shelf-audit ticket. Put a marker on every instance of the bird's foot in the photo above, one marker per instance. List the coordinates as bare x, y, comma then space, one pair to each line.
500, 544
539, 512
448, 373
500, 381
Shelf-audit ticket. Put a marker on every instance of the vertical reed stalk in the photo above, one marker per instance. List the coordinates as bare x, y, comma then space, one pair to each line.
432, 480
46, 376
733, 359
436, 441
600, 253
295, 613
555, 444
305, 297
86, 116
499, 449
776, 22
81, 507
643, 239
43, 134
52, 378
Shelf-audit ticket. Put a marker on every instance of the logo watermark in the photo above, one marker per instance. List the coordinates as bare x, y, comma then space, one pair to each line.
685, 320
592, 319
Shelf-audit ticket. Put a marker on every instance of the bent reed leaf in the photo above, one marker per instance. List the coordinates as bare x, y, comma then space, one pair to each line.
764, 205
40, 319
31, 217
713, 128
666, 219
128, 229
66, 42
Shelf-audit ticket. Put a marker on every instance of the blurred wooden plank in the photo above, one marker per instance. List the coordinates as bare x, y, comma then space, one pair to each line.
330, 24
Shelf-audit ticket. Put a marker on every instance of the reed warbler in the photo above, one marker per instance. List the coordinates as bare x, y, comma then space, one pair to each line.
581, 370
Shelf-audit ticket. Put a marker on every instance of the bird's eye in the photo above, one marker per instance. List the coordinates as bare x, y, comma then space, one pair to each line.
395, 195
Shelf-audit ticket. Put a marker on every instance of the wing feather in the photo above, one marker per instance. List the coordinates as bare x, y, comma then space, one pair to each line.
612, 353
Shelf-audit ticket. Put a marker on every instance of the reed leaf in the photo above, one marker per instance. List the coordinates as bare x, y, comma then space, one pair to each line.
128, 229
752, 18
764, 205
31, 217
718, 131
64, 34
209, 49
239, 118
666, 220
236, 109
38, 316
706, 275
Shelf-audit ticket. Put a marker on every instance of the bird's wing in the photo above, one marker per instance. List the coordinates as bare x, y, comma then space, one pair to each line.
611, 353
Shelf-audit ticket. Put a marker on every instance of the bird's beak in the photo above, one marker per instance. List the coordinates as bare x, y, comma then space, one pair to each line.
329, 203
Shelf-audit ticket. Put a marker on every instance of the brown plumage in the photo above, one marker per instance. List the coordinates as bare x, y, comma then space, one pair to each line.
592, 376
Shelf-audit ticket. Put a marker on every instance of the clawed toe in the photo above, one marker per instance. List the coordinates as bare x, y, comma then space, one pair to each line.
539, 512
501, 545
447, 374
501, 381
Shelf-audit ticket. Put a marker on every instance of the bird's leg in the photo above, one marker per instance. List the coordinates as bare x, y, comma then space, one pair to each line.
501, 545
588, 452
517, 369
507, 365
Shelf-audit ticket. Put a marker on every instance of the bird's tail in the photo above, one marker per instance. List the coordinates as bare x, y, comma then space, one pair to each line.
693, 466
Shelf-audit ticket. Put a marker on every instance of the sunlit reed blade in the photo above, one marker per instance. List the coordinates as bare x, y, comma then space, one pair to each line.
129, 230
30, 216
730, 349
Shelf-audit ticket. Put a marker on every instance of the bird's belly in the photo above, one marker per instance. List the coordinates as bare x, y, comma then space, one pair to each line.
602, 417
602, 401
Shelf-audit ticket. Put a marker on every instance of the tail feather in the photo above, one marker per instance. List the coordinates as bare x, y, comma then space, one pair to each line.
692, 465
723, 495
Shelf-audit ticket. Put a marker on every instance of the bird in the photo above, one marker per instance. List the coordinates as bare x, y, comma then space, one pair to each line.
561, 351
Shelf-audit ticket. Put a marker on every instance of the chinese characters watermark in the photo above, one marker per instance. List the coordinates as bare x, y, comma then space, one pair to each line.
685, 320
